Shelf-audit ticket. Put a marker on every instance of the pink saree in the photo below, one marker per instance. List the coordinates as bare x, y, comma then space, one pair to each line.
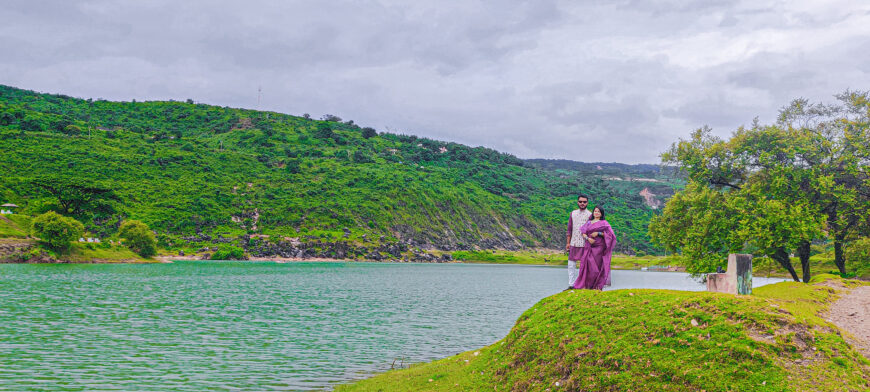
595, 260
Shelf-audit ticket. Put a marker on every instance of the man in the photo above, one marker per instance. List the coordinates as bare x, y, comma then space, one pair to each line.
575, 242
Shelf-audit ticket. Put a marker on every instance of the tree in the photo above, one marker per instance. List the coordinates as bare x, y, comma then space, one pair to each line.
696, 222
323, 131
858, 254
138, 237
369, 132
362, 156
72, 130
32, 124
834, 141
791, 185
292, 166
7, 118
77, 197
55, 230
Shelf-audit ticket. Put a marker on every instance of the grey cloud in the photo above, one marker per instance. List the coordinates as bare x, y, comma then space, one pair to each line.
537, 79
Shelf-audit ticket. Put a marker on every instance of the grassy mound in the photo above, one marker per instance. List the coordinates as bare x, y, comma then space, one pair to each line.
657, 340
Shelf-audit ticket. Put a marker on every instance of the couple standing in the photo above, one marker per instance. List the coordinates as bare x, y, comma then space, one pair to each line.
590, 243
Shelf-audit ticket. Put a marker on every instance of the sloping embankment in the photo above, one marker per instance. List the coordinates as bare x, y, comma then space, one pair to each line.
657, 340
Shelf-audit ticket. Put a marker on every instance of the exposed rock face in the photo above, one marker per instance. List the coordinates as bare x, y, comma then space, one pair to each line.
22, 252
650, 198
339, 250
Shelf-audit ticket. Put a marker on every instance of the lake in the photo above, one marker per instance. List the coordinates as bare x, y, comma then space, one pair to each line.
258, 325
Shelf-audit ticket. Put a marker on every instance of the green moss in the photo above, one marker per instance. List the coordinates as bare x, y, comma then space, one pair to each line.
655, 340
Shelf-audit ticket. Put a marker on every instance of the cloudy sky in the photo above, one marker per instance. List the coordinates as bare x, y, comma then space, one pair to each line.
612, 81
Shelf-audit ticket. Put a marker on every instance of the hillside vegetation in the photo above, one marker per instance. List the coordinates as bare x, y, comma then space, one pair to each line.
200, 174
657, 340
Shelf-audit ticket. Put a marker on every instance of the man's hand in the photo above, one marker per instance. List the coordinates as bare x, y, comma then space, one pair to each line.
591, 241
567, 247
594, 234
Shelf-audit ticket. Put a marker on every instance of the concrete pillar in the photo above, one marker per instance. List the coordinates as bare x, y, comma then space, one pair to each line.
737, 279
741, 264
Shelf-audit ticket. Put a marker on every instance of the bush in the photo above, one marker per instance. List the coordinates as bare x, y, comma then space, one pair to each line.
362, 156
323, 131
138, 237
55, 230
292, 166
858, 256
227, 252
72, 130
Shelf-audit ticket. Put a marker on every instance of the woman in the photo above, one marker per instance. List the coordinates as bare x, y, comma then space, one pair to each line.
595, 260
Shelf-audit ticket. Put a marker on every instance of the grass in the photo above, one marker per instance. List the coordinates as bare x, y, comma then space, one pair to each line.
14, 226
94, 253
656, 340
820, 263
551, 257
543, 257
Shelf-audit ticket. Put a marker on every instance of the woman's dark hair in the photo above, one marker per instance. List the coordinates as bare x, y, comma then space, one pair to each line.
593, 213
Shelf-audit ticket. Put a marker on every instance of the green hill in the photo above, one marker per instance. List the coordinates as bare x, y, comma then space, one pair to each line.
201, 174
657, 340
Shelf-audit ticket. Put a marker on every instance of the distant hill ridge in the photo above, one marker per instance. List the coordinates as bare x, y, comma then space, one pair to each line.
196, 173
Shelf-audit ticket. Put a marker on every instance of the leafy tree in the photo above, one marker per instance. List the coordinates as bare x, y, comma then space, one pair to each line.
138, 237
858, 254
77, 197
834, 144
292, 166
791, 184
7, 118
369, 132
33, 124
323, 131
696, 221
72, 130
55, 230
362, 156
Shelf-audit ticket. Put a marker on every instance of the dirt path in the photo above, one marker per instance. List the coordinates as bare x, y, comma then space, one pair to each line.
852, 314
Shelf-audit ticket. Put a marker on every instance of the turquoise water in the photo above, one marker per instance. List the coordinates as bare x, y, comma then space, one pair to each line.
256, 326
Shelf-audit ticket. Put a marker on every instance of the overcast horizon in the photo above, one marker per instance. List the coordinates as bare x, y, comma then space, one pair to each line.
593, 81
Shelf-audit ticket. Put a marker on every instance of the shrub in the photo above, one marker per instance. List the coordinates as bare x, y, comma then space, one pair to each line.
292, 166
72, 130
323, 131
227, 252
858, 256
138, 237
55, 230
362, 156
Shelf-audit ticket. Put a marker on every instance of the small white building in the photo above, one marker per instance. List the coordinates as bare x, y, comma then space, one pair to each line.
9, 209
